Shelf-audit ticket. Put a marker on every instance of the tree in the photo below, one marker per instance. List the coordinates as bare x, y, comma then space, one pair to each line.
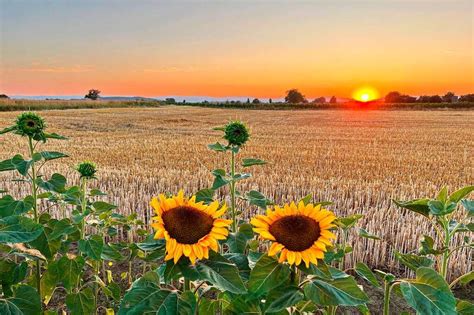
450, 97
333, 100
270, 101
467, 98
248, 100
392, 97
294, 96
93, 94
170, 100
436, 99
319, 100
256, 101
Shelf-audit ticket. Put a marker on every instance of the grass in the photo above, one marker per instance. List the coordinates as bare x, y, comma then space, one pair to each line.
37, 105
358, 159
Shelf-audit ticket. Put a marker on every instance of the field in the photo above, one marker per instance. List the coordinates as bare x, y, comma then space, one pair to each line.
360, 160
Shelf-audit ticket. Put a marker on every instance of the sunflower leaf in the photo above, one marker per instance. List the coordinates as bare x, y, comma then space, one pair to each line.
267, 274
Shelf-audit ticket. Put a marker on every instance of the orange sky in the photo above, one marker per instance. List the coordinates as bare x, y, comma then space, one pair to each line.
237, 48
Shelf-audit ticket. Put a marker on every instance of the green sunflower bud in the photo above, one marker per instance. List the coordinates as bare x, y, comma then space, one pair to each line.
236, 133
30, 124
86, 169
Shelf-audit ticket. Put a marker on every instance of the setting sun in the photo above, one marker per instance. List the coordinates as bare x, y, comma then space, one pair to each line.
365, 94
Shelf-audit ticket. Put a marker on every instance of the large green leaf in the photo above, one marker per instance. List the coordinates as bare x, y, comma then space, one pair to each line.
258, 199
464, 307
342, 291
267, 275
237, 242
364, 271
429, 293
62, 228
92, 247
8, 308
27, 299
52, 155
10, 206
21, 165
6, 165
413, 261
281, 298
11, 272
56, 183
81, 303
418, 205
19, 229
222, 273
170, 271
460, 194
206, 195
146, 297
220, 179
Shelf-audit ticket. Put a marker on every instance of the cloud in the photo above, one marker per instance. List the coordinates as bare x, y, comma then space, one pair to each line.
171, 69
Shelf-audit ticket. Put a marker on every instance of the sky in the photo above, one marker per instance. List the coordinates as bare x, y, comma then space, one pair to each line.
235, 48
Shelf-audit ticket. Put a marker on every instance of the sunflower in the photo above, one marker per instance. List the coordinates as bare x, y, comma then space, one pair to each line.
190, 228
300, 232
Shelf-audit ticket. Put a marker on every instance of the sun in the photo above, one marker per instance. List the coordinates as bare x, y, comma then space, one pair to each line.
365, 94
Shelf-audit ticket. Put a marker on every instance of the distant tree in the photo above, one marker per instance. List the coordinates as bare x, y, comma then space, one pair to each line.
467, 98
170, 100
255, 101
270, 101
93, 94
184, 101
248, 100
436, 99
294, 96
205, 102
4, 96
333, 100
319, 100
392, 97
450, 97
397, 97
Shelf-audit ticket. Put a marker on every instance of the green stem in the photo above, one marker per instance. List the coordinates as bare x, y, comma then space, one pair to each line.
232, 192
187, 284
332, 310
344, 242
83, 204
445, 259
386, 298
35, 208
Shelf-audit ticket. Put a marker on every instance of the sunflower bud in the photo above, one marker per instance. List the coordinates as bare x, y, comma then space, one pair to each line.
86, 169
236, 133
30, 124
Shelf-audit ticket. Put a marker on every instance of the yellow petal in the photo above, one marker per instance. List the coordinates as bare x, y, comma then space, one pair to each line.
187, 250
198, 251
178, 252
328, 234
267, 235
275, 248
222, 222
283, 255
297, 258
192, 258
290, 257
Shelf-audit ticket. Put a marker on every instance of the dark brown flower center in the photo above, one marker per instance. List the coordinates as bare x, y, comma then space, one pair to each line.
30, 123
186, 224
295, 232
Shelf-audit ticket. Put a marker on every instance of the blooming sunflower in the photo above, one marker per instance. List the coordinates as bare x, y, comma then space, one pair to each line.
300, 232
190, 228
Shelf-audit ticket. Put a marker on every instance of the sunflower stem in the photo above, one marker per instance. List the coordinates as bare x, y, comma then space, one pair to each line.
386, 296
232, 192
445, 258
187, 284
34, 189
83, 203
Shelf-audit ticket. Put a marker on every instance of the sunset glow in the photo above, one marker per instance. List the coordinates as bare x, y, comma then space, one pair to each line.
235, 48
365, 94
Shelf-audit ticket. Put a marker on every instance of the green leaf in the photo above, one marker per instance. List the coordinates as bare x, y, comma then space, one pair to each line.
460, 194
349, 221
464, 307
267, 274
81, 303
364, 271
62, 228
110, 253
429, 293
307, 199
146, 297
242, 263
7, 165
92, 247
237, 242
258, 199
469, 206
102, 206
52, 155
466, 278
19, 229
25, 301
341, 291
8, 129
21, 165
219, 179
365, 234
10, 206
413, 261
281, 298
96, 192
222, 273
170, 271
427, 246
418, 205
217, 147
238, 177
439, 208
205, 195
53, 136
69, 271
12, 273
250, 162
443, 195
57, 183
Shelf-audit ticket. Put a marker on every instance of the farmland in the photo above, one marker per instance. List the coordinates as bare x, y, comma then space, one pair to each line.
360, 160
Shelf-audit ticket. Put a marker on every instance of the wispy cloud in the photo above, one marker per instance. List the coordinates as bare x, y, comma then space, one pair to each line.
171, 69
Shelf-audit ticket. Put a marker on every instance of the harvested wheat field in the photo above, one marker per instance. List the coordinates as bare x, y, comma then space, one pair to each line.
360, 160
